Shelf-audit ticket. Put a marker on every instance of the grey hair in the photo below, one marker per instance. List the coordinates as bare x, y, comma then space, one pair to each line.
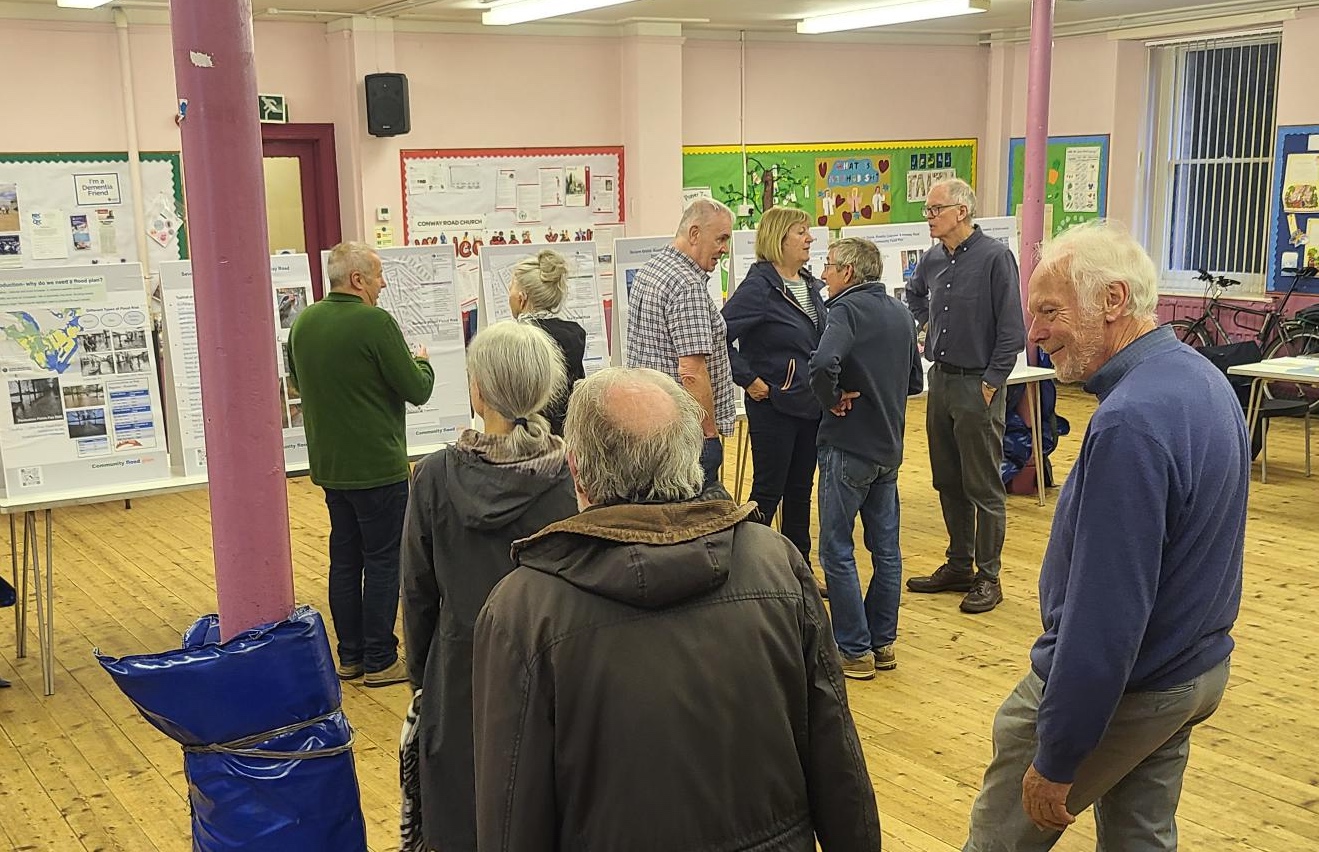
518, 369
636, 436
544, 280
1094, 255
701, 211
959, 192
347, 258
862, 255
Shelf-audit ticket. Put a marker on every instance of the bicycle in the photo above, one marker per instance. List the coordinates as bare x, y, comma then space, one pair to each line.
1279, 336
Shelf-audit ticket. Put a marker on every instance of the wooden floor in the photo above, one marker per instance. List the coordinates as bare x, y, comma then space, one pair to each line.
80, 770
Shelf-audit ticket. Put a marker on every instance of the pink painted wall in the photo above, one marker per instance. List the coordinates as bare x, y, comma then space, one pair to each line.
1298, 68
831, 92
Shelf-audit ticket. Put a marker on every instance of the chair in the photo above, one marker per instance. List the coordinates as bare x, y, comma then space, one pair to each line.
1248, 352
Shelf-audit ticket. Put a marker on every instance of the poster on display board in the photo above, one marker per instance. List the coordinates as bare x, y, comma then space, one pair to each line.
421, 294
742, 254
508, 196
901, 247
77, 209
1294, 219
838, 184
84, 405
290, 278
583, 304
1075, 183
630, 254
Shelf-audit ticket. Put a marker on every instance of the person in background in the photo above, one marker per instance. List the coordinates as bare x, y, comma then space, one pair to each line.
355, 371
1141, 579
536, 295
775, 316
966, 292
469, 503
657, 672
675, 327
862, 373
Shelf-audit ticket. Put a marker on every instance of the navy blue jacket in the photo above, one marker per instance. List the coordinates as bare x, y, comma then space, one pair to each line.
869, 346
775, 338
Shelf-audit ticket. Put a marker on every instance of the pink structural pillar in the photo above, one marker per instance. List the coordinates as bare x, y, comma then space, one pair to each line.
1037, 140
215, 73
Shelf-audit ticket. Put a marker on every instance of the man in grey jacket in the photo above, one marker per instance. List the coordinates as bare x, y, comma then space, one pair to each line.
862, 373
616, 701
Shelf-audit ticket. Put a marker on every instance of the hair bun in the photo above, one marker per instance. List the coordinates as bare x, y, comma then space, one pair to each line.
553, 267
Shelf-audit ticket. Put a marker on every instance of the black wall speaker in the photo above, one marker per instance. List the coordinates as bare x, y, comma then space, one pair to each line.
387, 105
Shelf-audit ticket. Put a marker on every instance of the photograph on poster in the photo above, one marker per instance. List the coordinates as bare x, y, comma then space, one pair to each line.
97, 365
35, 400
910, 257
82, 237
575, 182
295, 414
9, 207
83, 396
131, 361
283, 406
134, 338
95, 341
11, 250
290, 301
292, 392
86, 423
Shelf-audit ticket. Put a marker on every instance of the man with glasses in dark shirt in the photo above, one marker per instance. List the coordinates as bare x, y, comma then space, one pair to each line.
966, 292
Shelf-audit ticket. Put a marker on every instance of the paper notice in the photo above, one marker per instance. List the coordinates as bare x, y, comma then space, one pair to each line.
551, 187
48, 240
1081, 180
506, 190
528, 202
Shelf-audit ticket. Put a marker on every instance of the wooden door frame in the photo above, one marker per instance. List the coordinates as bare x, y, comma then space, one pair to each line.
313, 144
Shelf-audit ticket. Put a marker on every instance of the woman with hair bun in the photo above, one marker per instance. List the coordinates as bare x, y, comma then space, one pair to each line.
536, 295
469, 503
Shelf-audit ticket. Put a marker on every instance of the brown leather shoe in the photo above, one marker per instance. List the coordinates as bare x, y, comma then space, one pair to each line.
944, 579
397, 673
985, 594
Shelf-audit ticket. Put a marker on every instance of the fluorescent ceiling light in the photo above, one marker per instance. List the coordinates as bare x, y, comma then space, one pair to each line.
521, 11
81, 4
894, 13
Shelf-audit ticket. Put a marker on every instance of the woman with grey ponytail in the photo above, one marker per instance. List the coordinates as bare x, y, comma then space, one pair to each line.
536, 295
469, 503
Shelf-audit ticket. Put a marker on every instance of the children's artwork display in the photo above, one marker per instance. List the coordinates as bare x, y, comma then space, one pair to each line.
84, 408
630, 254
1075, 185
583, 304
61, 210
861, 183
290, 277
507, 196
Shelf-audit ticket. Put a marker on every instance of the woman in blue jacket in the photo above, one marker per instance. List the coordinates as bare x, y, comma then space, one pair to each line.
776, 316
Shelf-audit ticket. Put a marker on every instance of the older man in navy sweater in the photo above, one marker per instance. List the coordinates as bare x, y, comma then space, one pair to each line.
1141, 580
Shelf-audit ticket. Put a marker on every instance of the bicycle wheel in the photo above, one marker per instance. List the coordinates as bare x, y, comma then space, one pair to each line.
1291, 344
1190, 332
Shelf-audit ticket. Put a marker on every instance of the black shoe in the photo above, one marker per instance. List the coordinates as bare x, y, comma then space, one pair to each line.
985, 594
944, 579
3, 683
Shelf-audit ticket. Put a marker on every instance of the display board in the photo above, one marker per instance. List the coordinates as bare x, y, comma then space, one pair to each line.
742, 254
1075, 187
60, 210
1294, 225
291, 292
583, 304
855, 183
84, 405
630, 254
901, 246
507, 196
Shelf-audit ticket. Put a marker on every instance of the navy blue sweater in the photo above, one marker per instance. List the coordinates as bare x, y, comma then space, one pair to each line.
775, 338
869, 346
1141, 581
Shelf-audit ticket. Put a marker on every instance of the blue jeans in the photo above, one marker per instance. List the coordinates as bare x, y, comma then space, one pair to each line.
366, 528
851, 485
712, 458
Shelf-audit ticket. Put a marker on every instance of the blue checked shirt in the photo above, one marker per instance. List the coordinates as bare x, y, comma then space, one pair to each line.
670, 314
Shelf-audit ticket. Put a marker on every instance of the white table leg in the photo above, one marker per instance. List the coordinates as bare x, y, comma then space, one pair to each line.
18, 605
1037, 429
1252, 409
22, 584
48, 659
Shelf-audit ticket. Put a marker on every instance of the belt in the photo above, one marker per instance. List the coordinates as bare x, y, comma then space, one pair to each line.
957, 371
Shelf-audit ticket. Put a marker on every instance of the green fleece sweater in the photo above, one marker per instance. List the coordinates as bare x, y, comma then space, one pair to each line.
349, 361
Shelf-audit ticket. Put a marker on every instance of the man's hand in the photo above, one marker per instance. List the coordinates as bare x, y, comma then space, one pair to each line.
419, 351
1045, 801
844, 403
758, 390
988, 393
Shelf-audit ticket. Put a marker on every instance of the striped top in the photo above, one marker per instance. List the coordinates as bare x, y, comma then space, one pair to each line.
802, 294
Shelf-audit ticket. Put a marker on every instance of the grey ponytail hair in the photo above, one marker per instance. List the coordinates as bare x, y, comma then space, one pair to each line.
518, 369
544, 279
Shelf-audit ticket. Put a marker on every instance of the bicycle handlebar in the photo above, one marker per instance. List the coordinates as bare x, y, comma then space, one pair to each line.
1220, 280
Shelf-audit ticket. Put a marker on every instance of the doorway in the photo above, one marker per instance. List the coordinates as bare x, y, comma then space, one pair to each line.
302, 191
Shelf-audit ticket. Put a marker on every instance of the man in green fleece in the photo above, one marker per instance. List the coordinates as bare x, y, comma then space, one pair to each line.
355, 372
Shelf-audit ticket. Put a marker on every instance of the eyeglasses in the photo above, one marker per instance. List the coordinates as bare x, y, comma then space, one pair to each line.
932, 210
830, 263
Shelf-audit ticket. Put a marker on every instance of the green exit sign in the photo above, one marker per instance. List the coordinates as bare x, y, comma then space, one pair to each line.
273, 109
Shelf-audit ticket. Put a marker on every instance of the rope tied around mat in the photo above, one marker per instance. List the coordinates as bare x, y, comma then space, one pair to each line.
243, 747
